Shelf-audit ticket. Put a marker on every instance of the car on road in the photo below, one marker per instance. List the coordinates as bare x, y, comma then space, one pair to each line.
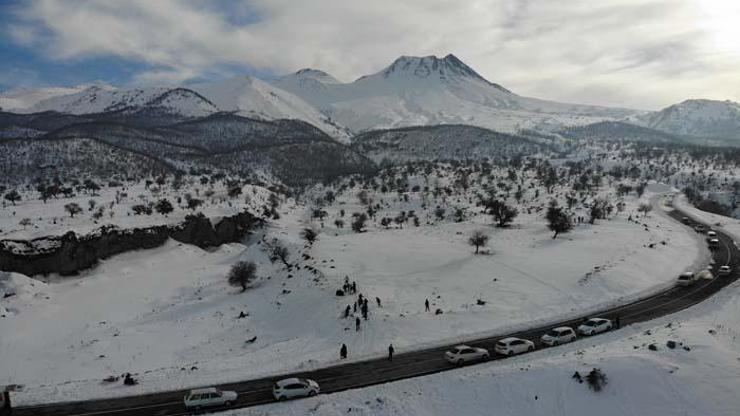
464, 354
686, 279
724, 271
713, 243
560, 335
512, 346
700, 228
711, 234
209, 397
594, 326
290, 388
686, 220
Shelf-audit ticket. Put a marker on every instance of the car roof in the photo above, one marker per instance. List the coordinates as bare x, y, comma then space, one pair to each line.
459, 347
509, 339
203, 391
597, 319
563, 328
287, 381
724, 267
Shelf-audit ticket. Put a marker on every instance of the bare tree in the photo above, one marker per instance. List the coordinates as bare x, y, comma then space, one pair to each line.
478, 239
644, 208
242, 273
73, 208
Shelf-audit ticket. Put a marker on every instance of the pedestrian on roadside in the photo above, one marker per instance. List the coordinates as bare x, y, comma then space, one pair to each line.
390, 352
343, 352
426, 304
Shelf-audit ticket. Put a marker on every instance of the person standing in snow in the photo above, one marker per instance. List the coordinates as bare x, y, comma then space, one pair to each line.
343, 352
354, 287
357, 323
377, 299
426, 304
390, 352
364, 310
346, 311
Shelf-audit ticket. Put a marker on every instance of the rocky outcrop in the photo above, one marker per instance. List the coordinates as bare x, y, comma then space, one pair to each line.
70, 253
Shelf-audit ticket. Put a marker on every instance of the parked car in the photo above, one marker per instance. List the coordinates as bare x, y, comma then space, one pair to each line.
700, 228
724, 271
713, 243
686, 279
209, 397
595, 326
560, 335
290, 388
512, 346
686, 220
463, 354
711, 234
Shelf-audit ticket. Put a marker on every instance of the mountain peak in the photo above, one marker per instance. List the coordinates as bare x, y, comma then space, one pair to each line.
316, 74
447, 69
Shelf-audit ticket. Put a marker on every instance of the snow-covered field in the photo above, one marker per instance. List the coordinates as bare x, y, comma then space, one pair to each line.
115, 205
71, 333
698, 377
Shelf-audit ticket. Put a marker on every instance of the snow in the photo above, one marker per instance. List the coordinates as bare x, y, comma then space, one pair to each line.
114, 318
51, 219
706, 118
251, 97
698, 377
430, 90
22, 99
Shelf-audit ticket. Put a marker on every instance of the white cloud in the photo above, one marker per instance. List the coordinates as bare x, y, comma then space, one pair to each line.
638, 53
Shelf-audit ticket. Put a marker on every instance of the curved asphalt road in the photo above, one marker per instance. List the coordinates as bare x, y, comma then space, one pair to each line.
406, 365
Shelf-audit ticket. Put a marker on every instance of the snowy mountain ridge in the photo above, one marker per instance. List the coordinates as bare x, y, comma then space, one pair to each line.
411, 91
696, 117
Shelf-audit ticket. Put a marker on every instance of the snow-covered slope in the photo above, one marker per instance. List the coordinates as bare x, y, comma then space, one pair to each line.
251, 97
21, 99
97, 99
705, 118
431, 90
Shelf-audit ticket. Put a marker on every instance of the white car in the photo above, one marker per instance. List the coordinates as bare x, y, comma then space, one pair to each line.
595, 326
711, 234
464, 354
290, 388
209, 397
713, 243
686, 279
724, 271
560, 335
511, 346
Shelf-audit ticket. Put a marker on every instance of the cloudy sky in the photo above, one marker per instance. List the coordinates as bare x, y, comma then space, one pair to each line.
633, 53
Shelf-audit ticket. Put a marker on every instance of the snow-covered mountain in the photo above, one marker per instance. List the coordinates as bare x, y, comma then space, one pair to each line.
431, 90
251, 97
703, 118
100, 99
21, 99
245, 95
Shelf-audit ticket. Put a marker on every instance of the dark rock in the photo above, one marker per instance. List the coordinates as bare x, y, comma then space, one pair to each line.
671, 344
68, 254
653, 347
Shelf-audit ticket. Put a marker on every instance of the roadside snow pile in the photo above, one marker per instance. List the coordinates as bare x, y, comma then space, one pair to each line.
635, 386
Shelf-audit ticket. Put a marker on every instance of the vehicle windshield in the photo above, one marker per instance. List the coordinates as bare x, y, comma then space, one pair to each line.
591, 323
553, 333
